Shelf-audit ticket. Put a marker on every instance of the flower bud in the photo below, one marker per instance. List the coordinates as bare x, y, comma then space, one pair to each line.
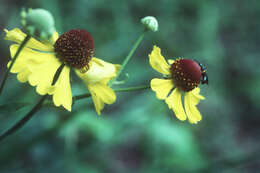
150, 23
38, 22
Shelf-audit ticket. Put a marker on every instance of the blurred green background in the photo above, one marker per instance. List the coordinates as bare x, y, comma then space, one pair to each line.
139, 133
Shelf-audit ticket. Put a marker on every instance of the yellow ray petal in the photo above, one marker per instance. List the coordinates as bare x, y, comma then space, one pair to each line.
170, 61
23, 75
174, 102
99, 105
62, 92
26, 58
42, 75
191, 110
196, 97
18, 36
158, 62
161, 87
99, 71
106, 94
96, 79
101, 94
54, 37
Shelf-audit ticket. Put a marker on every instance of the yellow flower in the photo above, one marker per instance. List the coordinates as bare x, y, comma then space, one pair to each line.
38, 62
181, 77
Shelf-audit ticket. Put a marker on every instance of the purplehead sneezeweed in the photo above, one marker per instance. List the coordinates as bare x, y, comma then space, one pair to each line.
73, 49
44, 60
180, 76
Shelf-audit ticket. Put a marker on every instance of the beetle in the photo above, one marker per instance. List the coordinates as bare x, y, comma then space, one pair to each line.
204, 75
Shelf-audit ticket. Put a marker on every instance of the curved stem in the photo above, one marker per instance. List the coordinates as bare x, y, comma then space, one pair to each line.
138, 88
26, 118
128, 57
30, 114
26, 39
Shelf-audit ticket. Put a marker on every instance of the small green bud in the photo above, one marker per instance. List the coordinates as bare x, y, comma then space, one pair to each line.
150, 23
38, 22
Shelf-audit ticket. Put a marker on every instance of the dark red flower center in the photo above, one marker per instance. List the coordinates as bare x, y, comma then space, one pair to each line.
75, 48
186, 74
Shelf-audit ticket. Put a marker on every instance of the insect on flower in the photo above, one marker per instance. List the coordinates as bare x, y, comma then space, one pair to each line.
204, 75
180, 84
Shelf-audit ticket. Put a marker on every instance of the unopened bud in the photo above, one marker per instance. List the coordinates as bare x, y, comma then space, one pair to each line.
150, 23
38, 22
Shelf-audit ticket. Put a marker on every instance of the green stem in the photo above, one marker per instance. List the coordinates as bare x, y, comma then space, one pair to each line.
26, 39
30, 114
138, 88
128, 57
26, 118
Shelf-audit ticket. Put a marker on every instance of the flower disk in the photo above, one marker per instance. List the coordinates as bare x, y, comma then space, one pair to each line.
186, 74
75, 48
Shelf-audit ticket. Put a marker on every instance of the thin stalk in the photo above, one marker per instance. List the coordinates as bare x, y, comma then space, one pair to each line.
35, 109
138, 88
26, 118
26, 39
128, 57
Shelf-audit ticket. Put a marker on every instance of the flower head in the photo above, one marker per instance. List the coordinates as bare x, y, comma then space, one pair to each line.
182, 76
38, 63
75, 47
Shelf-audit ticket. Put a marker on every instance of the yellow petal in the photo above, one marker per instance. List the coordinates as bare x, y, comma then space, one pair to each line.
42, 75
99, 71
174, 102
39, 69
158, 62
99, 105
101, 94
18, 36
191, 110
54, 37
62, 92
26, 58
170, 61
96, 79
196, 97
196, 93
23, 75
161, 87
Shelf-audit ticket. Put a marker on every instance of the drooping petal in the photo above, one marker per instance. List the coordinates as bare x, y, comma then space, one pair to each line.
42, 75
101, 94
18, 36
39, 69
174, 102
96, 79
62, 93
191, 110
161, 87
158, 62
196, 96
99, 105
26, 58
98, 71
